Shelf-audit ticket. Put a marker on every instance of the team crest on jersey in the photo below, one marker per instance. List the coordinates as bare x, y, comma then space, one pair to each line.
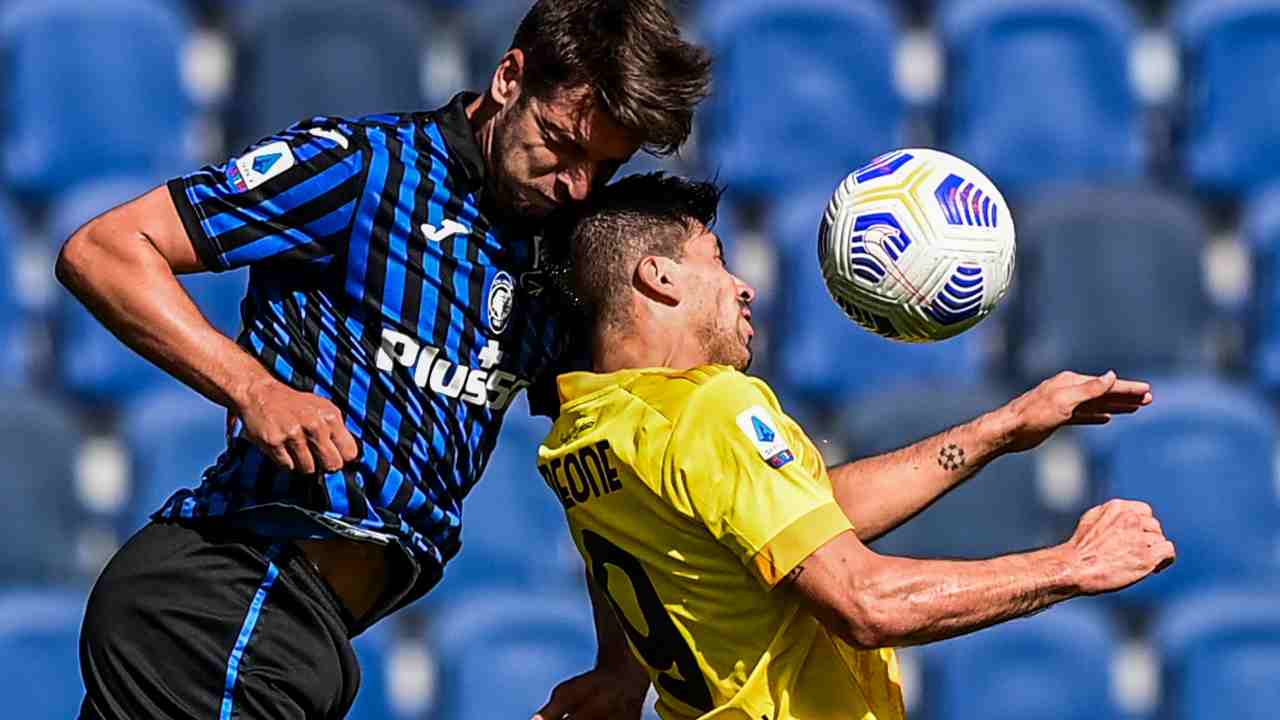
502, 298
758, 425
259, 166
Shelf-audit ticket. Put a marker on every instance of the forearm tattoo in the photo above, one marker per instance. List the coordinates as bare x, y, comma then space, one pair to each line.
951, 457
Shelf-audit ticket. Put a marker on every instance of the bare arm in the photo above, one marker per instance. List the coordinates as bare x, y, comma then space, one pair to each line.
880, 493
871, 600
616, 688
123, 266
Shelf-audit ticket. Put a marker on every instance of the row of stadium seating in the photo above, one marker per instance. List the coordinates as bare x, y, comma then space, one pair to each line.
1032, 92
499, 654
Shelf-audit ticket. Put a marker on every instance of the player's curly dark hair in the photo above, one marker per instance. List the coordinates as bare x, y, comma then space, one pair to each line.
643, 74
603, 240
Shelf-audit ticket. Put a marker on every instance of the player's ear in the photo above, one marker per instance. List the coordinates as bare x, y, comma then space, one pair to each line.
508, 78
658, 278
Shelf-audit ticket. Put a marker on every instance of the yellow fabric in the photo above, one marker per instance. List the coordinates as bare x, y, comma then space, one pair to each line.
676, 505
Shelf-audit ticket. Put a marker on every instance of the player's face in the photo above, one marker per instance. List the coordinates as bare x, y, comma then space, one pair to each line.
720, 302
549, 152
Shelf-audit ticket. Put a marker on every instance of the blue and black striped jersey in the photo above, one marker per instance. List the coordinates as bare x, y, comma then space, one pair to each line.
378, 281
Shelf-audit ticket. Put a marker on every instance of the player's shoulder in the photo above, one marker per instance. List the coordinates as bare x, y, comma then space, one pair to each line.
703, 392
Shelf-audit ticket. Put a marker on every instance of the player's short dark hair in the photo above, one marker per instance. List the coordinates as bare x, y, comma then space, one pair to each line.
629, 52
635, 217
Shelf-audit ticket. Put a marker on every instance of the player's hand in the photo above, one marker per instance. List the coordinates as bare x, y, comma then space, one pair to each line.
1116, 545
300, 431
601, 694
1070, 399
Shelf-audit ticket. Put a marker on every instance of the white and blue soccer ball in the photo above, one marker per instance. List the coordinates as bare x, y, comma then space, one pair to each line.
917, 246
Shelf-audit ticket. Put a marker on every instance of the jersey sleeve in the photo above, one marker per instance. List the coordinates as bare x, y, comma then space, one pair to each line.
290, 198
748, 480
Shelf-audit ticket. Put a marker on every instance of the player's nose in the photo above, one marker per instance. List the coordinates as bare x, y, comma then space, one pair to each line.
746, 293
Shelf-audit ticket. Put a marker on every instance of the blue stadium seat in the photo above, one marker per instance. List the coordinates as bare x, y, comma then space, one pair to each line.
300, 58
1109, 278
172, 435
997, 512
501, 654
514, 533
92, 364
40, 442
797, 98
1203, 456
1221, 650
115, 105
1231, 48
1037, 91
819, 355
397, 674
15, 321
39, 653
1260, 228
1053, 666
488, 26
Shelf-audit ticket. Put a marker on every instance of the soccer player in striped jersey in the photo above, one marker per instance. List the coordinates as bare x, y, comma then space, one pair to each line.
710, 526
394, 311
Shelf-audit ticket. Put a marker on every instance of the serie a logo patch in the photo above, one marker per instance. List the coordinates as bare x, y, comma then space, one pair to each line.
259, 166
758, 425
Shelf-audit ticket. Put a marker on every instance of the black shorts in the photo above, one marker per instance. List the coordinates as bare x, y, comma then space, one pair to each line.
199, 623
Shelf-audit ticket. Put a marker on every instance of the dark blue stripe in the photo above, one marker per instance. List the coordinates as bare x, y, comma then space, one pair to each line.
362, 229
301, 193
246, 632
401, 230
438, 174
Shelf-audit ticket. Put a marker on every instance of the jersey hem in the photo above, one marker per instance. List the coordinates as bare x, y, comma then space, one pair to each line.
798, 541
203, 244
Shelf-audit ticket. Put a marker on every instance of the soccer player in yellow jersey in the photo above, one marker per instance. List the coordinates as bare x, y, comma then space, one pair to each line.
732, 559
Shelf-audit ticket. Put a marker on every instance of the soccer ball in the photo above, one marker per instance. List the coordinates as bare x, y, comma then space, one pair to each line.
917, 246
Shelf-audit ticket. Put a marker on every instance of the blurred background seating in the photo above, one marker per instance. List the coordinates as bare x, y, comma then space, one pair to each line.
1035, 95
1137, 144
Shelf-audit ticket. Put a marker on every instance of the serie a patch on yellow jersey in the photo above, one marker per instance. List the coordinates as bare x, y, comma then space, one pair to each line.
690, 495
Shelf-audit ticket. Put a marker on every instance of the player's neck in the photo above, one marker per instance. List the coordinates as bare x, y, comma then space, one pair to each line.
646, 344
481, 112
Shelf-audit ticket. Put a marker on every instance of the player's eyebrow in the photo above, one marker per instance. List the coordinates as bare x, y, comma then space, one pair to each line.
720, 250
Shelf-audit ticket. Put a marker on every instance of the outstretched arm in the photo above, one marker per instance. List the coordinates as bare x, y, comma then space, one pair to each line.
871, 600
882, 492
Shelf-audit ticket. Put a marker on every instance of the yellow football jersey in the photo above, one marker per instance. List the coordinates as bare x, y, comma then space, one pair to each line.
690, 495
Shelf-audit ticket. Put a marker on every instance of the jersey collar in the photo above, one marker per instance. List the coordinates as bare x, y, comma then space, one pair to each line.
577, 386
455, 126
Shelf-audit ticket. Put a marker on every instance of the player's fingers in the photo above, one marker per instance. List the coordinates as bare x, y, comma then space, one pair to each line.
278, 454
1131, 387
348, 448
1090, 419
324, 450
297, 447
1089, 389
1152, 525
1103, 405
1169, 554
